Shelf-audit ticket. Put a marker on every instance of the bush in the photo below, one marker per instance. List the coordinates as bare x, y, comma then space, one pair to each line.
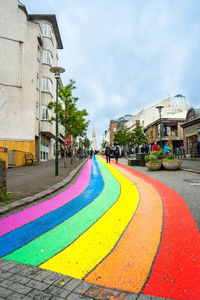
155, 155
171, 156
4, 196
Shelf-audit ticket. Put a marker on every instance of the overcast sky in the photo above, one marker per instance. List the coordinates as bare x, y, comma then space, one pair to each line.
126, 55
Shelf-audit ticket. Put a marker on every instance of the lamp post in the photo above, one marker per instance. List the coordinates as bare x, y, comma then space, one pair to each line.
57, 71
160, 107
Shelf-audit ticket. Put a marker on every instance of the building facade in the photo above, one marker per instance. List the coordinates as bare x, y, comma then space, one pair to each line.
191, 129
176, 104
28, 47
168, 129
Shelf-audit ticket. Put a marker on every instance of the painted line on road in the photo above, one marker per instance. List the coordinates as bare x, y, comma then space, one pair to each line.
21, 236
26, 216
97, 242
47, 245
176, 270
128, 265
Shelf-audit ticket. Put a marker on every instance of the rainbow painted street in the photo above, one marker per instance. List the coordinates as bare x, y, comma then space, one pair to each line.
114, 227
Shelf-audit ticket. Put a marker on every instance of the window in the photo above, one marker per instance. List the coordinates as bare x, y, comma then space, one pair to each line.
46, 113
46, 84
38, 53
47, 31
47, 57
38, 81
44, 150
37, 110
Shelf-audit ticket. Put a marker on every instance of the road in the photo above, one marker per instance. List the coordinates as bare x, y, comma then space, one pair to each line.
114, 227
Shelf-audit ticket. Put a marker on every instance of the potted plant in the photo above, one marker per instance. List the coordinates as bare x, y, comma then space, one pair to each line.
171, 162
152, 162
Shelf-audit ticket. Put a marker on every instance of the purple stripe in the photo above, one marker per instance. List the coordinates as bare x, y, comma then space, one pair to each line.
21, 218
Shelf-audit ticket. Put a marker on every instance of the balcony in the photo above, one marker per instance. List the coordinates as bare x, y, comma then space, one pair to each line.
47, 129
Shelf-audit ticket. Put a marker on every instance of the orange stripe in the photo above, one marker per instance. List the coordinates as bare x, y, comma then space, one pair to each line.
128, 266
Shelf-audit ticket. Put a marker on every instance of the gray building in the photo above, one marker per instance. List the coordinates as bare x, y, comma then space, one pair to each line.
191, 129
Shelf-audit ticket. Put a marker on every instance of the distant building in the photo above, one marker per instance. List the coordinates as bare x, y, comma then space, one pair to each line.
191, 129
117, 125
171, 130
173, 115
28, 46
94, 141
176, 104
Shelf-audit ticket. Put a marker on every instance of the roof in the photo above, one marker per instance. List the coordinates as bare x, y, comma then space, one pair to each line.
52, 19
179, 115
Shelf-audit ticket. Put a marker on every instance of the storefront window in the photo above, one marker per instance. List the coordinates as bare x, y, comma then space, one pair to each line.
170, 129
44, 150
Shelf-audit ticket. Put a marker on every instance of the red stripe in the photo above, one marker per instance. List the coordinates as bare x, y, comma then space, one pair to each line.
176, 270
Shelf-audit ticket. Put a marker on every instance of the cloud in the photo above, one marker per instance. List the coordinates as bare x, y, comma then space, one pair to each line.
128, 55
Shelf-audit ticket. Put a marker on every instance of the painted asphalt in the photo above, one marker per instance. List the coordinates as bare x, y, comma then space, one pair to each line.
115, 227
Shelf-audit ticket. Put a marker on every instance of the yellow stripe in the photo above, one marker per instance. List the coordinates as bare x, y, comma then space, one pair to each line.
90, 248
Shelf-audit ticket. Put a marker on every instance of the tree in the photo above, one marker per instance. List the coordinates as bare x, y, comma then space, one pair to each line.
68, 115
137, 136
86, 143
104, 144
121, 137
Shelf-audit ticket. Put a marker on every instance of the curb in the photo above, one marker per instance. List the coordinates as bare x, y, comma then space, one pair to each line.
42, 194
190, 170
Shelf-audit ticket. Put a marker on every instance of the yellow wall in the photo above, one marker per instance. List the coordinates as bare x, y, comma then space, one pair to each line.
26, 146
19, 148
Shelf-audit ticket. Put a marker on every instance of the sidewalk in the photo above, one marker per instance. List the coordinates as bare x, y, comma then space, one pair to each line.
30, 183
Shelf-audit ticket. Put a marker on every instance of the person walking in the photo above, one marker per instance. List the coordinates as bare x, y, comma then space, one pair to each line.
155, 147
116, 152
108, 152
91, 153
166, 149
198, 147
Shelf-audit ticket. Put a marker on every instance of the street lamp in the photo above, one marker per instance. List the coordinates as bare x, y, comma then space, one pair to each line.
57, 71
160, 107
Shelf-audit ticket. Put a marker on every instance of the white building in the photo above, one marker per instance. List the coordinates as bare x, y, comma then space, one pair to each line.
28, 48
170, 105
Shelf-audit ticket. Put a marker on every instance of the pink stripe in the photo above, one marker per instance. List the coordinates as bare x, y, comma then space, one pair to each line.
21, 218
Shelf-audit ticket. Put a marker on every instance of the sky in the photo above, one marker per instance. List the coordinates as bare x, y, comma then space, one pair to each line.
126, 55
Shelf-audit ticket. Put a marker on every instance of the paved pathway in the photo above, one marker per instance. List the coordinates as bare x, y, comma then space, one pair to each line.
120, 233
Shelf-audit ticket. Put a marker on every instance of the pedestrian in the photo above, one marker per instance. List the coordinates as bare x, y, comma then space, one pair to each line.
146, 149
108, 152
91, 153
62, 151
155, 147
143, 149
116, 153
198, 147
166, 149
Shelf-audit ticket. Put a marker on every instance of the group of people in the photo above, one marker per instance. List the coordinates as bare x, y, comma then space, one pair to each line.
166, 148
108, 154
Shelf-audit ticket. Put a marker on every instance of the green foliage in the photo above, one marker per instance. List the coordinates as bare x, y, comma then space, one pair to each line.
155, 155
104, 144
171, 156
86, 143
4, 196
121, 137
69, 116
137, 136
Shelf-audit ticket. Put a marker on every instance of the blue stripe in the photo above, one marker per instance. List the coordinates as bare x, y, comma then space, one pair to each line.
21, 236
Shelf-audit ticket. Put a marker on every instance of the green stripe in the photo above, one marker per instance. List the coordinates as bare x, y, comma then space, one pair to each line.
55, 240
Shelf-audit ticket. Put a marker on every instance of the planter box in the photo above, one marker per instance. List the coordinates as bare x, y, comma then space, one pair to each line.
153, 166
133, 162
172, 165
